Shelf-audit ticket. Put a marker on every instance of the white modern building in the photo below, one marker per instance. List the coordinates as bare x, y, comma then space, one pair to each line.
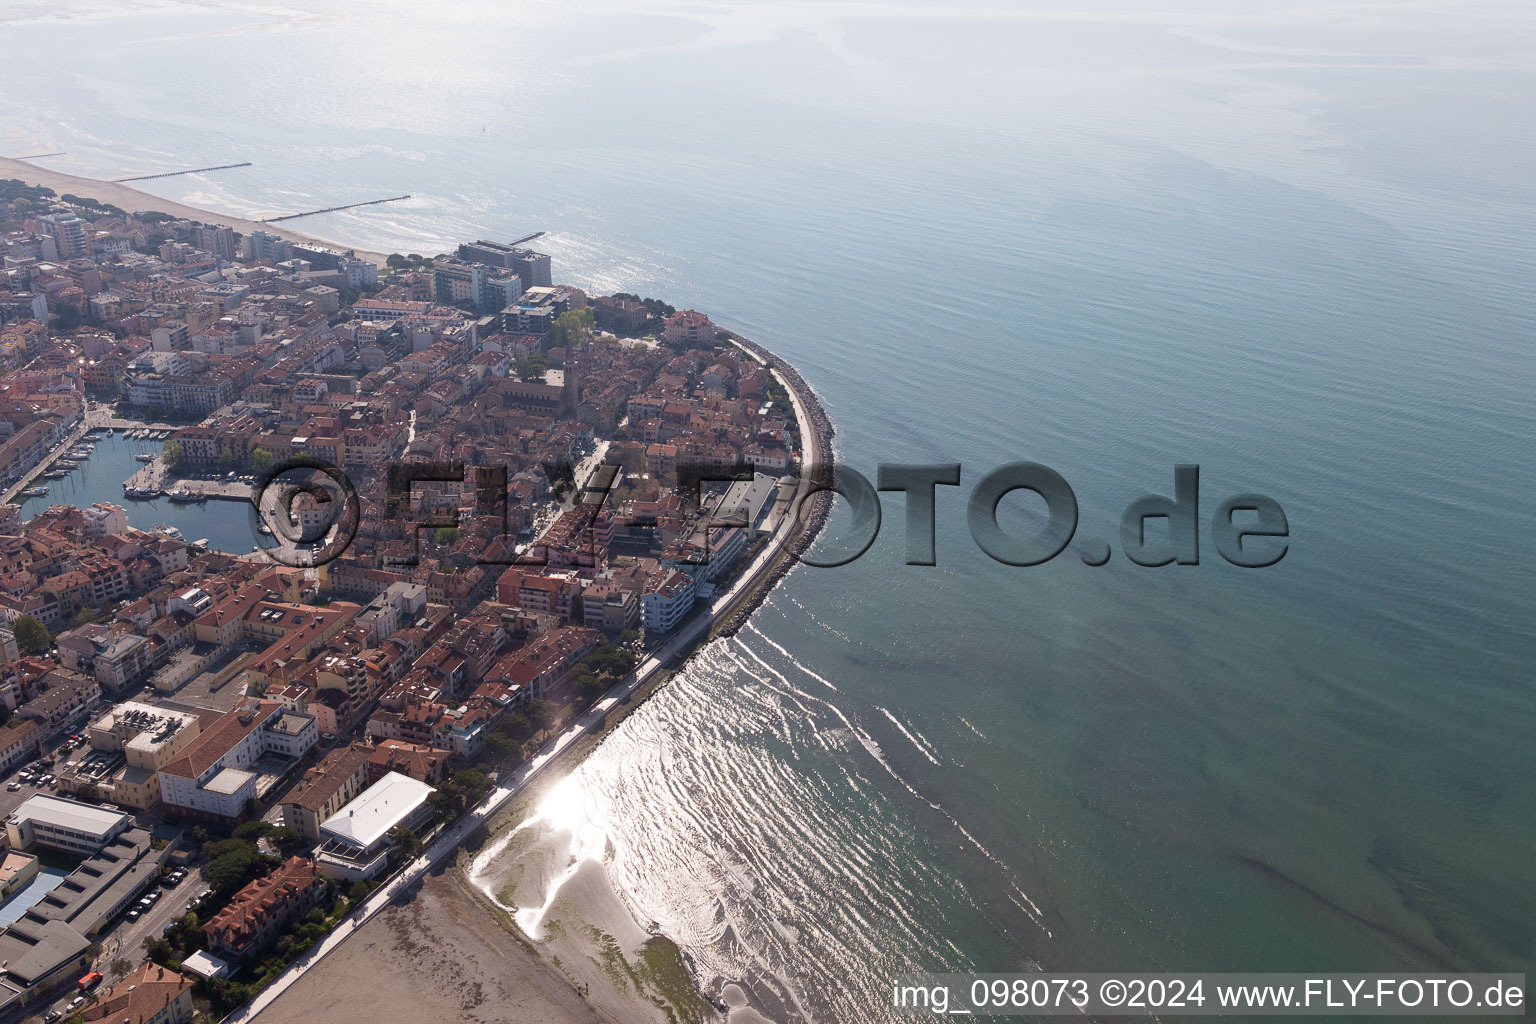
221, 772
355, 841
67, 825
667, 599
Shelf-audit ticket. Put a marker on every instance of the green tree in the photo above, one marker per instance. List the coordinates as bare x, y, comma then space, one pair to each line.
252, 831
121, 966
171, 454
536, 366
471, 781
69, 317
31, 635
287, 841
261, 462
232, 863
515, 725
500, 747
542, 712
407, 842
185, 934
588, 686
571, 328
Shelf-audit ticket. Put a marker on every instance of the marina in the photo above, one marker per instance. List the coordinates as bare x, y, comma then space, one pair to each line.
122, 469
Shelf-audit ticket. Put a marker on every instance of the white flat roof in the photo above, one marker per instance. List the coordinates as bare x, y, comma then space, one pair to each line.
205, 965
377, 809
228, 781
70, 814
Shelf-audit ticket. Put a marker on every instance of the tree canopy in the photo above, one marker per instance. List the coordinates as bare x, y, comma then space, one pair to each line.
31, 635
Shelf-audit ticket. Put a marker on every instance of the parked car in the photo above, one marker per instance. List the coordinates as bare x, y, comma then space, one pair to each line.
133, 915
13, 787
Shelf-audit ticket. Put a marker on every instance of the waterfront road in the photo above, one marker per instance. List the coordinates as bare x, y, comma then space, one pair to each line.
95, 418
445, 844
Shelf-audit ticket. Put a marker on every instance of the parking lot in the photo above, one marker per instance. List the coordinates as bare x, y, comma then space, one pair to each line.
123, 938
126, 937
39, 779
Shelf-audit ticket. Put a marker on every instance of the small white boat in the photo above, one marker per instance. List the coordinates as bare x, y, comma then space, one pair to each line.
146, 456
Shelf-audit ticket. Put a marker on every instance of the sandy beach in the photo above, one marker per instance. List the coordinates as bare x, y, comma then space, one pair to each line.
439, 959
131, 199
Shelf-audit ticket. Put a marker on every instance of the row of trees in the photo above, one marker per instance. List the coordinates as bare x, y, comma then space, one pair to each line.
175, 458
601, 669
655, 307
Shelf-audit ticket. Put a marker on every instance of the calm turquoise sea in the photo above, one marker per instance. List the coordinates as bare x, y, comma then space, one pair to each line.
1293, 245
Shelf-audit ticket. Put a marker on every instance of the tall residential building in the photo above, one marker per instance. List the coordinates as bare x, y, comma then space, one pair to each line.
360, 273
532, 267
216, 238
502, 289
492, 254
456, 281
260, 245
71, 235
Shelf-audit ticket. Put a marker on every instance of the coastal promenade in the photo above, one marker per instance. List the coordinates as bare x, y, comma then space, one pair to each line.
749, 585
94, 419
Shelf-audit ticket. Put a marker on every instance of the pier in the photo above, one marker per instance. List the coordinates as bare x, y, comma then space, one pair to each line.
56, 452
528, 238
333, 209
172, 174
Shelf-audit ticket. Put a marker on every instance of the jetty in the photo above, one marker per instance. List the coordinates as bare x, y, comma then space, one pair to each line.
172, 174
331, 209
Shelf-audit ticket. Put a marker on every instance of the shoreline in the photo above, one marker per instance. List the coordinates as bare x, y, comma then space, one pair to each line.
727, 615
135, 200
584, 735
740, 999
